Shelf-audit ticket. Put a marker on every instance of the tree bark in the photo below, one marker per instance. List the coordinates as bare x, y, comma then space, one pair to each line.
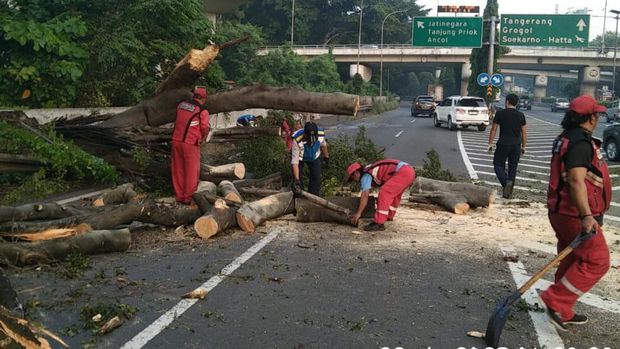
119, 195
475, 195
16, 332
167, 216
51, 234
224, 172
229, 192
325, 203
251, 215
99, 241
352, 203
221, 218
203, 204
260, 192
452, 202
309, 211
241, 132
273, 181
33, 212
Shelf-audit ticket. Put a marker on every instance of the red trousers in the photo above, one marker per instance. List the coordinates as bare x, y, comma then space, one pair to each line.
185, 166
391, 192
580, 270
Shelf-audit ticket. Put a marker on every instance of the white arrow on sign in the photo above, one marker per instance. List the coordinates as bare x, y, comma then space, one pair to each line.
421, 25
484, 79
581, 24
579, 39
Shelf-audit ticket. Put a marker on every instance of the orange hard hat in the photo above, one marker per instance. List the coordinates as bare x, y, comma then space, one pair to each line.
351, 169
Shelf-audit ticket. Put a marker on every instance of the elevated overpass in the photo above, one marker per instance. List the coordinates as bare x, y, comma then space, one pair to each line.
214, 7
543, 62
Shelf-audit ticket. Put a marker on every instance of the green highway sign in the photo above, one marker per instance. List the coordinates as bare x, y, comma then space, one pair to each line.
544, 30
447, 31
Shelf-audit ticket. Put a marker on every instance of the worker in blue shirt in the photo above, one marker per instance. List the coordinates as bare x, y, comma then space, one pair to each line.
310, 148
248, 120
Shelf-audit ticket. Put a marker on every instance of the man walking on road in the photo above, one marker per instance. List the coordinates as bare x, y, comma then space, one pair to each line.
392, 176
510, 145
579, 194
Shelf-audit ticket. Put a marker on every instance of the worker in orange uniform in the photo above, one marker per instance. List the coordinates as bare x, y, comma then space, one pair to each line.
393, 177
191, 128
579, 194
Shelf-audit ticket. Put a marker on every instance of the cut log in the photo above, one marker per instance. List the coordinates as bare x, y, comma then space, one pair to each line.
324, 203
223, 172
32, 212
167, 216
228, 191
241, 132
211, 198
205, 186
221, 218
475, 195
309, 211
119, 195
99, 241
51, 234
260, 192
452, 202
352, 203
273, 181
251, 215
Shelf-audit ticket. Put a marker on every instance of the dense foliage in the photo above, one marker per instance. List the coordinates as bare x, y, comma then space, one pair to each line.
63, 162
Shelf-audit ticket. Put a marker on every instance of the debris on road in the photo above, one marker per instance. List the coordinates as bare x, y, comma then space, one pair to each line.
109, 326
199, 293
475, 334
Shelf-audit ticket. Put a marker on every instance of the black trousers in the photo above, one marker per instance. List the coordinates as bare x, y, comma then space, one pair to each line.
503, 152
314, 183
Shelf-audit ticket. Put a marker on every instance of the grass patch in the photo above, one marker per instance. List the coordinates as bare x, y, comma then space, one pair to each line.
76, 264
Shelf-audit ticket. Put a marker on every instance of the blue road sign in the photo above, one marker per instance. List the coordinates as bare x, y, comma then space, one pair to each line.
497, 80
483, 79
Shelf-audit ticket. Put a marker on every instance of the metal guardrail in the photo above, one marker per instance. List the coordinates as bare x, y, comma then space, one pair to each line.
402, 46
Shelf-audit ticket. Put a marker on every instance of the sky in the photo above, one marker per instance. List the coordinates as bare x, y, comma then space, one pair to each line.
597, 9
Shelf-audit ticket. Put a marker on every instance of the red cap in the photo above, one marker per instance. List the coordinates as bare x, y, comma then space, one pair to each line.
200, 92
586, 105
352, 169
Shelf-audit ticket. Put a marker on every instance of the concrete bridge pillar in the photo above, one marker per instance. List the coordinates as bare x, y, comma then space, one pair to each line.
590, 78
465, 74
540, 87
365, 72
508, 84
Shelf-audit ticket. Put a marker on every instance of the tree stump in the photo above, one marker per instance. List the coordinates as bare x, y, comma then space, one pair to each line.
221, 218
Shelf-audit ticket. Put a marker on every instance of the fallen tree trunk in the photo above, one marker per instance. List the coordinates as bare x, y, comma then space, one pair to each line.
309, 211
99, 241
475, 195
32, 212
452, 202
253, 214
221, 218
241, 132
119, 195
50, 234
223, 172
325, 203
273, 181
228, 191
15, 332
167, 216
260, 192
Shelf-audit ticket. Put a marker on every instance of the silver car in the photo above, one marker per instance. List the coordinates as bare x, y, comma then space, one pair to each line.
560, 104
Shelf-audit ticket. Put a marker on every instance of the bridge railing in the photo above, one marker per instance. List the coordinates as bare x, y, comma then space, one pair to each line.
609, 50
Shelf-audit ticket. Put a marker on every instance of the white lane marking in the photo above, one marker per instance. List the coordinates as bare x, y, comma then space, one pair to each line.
518, 187
551, 249
519, 178
520, 161
478, 145
548, 336
614, 204
142, 338
615, 188
518, 170
399, 133
610, 305
470, 168
520, 164
412, 121
613, 166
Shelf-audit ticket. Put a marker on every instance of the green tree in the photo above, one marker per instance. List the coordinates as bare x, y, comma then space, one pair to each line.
610, 40
479, 57
323, 74
414, 86
41, 58
236, 65
426, 78
448, 79
280, 68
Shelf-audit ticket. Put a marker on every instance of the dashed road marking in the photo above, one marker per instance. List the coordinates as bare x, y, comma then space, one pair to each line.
399, 133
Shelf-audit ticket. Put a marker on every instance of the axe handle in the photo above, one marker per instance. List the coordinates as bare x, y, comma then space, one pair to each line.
324, 203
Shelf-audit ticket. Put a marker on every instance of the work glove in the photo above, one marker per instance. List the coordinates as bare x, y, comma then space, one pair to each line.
326, 163
296, 187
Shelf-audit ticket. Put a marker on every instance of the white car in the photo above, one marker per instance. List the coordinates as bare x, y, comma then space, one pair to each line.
463, 111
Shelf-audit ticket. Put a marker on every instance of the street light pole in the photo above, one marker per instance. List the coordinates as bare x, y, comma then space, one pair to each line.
292, 22
613, 83
359, 37
381, 69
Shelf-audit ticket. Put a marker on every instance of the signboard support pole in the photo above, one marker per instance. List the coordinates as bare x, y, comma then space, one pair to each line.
490, 70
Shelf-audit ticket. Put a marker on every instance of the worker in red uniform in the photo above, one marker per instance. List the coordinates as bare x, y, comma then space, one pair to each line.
579, 194
392, 176
191, 128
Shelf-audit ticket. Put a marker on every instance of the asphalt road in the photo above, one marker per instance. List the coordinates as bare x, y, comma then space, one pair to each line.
299, 286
